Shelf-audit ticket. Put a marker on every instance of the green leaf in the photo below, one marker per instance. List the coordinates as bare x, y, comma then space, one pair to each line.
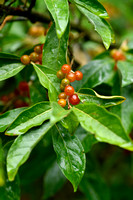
70, 156
52, 187
33, 116
94, 73
101, 26
126, 69
11, 190
2, 177
70, 122
60, 12
22, 147
106, 126
37, 93
7, 118
10, 65
125, 110
58, 113
54, 52
90, 96
87, 139
93, 6
49, 80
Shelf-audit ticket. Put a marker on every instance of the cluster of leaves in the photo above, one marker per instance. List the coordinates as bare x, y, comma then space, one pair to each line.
98, 118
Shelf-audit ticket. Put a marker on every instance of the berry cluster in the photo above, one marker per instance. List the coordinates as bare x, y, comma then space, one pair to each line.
19, 97
68, 93
35, 56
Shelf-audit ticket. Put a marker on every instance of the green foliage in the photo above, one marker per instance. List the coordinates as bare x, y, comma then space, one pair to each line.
54, 144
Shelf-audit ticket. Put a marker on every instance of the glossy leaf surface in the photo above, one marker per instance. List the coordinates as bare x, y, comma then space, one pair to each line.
126, 69
90, 96
60, 12
49, 80
22, 147
54, 52
94, 73
10, 65
106, 126
70, 156
100, 25
7, 118
33, 116
93, 6
87, 139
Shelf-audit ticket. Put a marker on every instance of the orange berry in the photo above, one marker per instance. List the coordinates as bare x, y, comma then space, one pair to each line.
38, 49
71, 76
62, 95
25, 59
34, 56
62, 102
79, 75
69, 90
66, 68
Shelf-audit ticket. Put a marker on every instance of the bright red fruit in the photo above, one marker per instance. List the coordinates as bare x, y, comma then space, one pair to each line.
23, 86
71, 76
66, 68
69, 90
74, 99
79, 75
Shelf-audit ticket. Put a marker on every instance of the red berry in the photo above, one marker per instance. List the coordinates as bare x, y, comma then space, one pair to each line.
69, 90
38, 49
66, 68
4, 98
74, 99
79, 75
34, 56
23, 86
62, 95
71, 76
62, 102
60, 74
25, 59
117, 55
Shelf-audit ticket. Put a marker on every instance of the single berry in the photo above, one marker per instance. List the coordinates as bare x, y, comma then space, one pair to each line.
34, 56
65, 82
5, 98
25, 59
23, 86
38, 63
69, 90
62, 95
62, 87
71, 76
79, 75
117, 55
62, 102
60, 74
74, 99
36, 31
38, 49
66, 68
